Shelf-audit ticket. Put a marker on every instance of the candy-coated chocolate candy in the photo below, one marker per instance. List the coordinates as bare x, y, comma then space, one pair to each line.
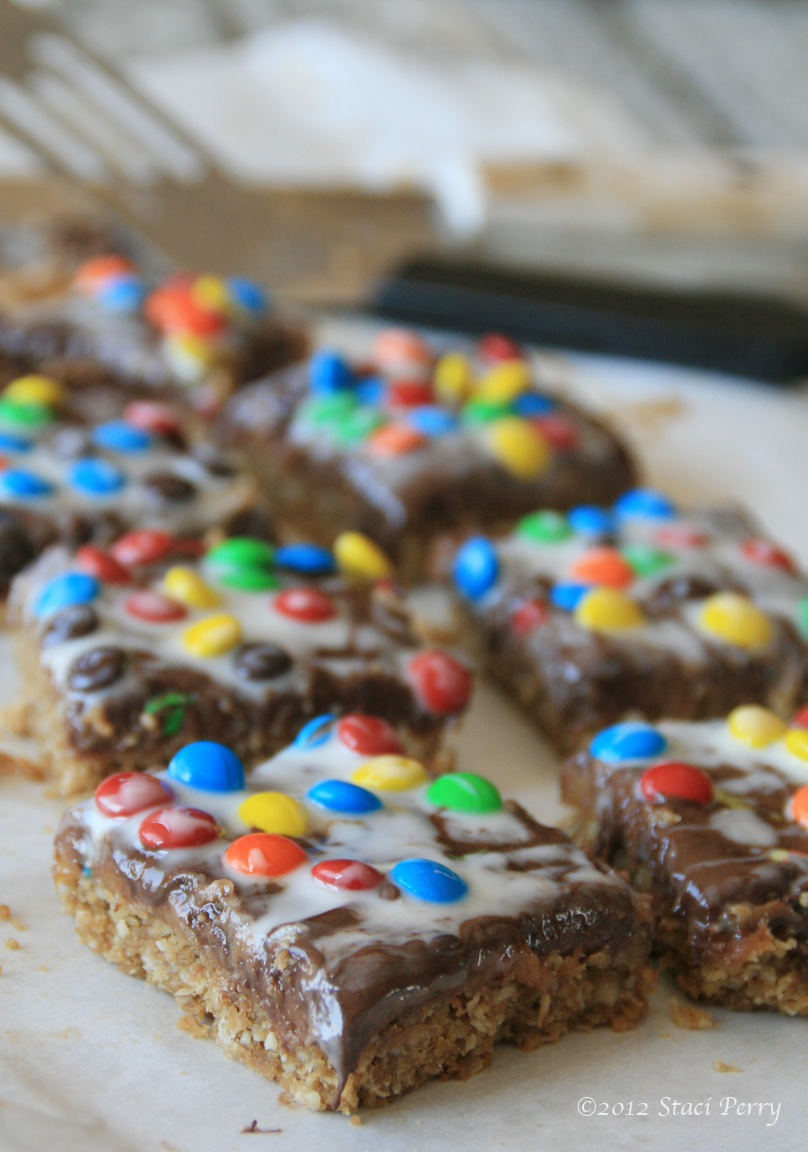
368, 735
177, 828
644, 503
799, 805
210, 292
560, 431
328, 373
390, 773
453, 378
35, 389
797, 742
315, 732
120, 436
121, 293
23, 485
502, 384
591, 521
371, 390
603, 566
187, 586
207, 765
265, 854
545, 527
397, 347
129, 792
529, 616
519, 446
11, 443
308, 559
800, 719
357, 424
802, 615
628, 741
755, 726
100, 564
274, 812
152, 416
645, 559
308, 605
142, 546
484, 412
343, 796
189, 356
246, 294
464, 792
346, 875
427, 880
172, 309
213, 635
442, 684
568, 595
409, 393
494, 346
676, 781
682, 536
476, 567
66, 589
328, 410
94, 476
607, 609
150, 605
28, 415
357, 555
432, 420
92, 273
532, 404
736, 620
764, 552
396, 440
243, 562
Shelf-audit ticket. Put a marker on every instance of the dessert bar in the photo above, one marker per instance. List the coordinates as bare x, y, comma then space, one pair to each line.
342, 924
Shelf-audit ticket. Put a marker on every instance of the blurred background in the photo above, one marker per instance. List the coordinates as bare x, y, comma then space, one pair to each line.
652, 139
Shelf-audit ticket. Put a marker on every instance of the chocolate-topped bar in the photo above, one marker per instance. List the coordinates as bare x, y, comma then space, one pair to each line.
351, 929
602, 613
420, 444
128, 653
710, 819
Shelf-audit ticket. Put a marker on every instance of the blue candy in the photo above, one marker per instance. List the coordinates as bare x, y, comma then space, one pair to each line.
308, 558
342, 796
328, 373
22, 484
432, 420
247, 294
427, 880
121, 293
209, 766
566, 596
628, 741
119, 436
315, 733
10, 443
646, 503
532, 404
95, 477
371, 390
591, 521
476, 567
64, 590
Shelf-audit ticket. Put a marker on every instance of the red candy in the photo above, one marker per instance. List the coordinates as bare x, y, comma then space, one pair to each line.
368, 735
172, 308
265, 854
306, 604
350, 875
441, 683
529, 616
409, 393
154, 607
128, 793
494, 347
101, 565
801, 718
152, 416
560, 432
682, 536
674, 780
764, 552
142, 546
178, 828
94, 272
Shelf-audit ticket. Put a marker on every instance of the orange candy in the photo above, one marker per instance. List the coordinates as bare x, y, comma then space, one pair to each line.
799, 805
265, 854
603, 566
92, 273
173, 309
395, 440
396, 346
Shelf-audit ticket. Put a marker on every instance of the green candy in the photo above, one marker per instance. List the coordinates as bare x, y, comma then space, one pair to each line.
243, 562
25, 415
647, 560
546, 527
802, 615
464, 792
483, 411
247, 577
328, 409
358, 424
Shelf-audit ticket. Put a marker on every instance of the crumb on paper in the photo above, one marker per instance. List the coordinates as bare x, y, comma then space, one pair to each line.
665, 1035
12, 943
689, 1017
649, 417
356, 1120
11, 765
42, 968
18, 924
252, 1129
192, 1026
5, 912
720, 1066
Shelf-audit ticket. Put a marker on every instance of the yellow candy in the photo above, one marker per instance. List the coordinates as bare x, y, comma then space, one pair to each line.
797, 742
210, 292
504, 383
190, 356
274, 812
185, 585
607, 610
35, 390
453, 378
735, 619
212, 636
755, 726
390, 773
518, 446
359, 556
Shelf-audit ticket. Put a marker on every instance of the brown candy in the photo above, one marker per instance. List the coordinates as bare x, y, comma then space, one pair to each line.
261, 661
96, 669
76, 620
166, 486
